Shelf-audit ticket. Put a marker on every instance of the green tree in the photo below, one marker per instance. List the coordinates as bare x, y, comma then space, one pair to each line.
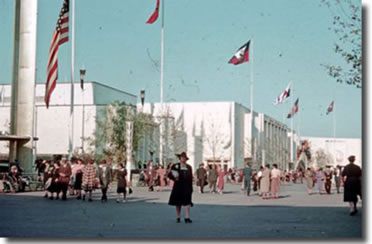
110, 133
322, 158
347, 26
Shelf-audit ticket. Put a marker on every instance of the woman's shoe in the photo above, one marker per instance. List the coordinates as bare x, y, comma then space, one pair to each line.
83, 197
353, 212
188, 221
178, 220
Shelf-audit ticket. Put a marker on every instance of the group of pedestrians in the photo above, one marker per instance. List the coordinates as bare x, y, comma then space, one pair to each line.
81, 178
323, 179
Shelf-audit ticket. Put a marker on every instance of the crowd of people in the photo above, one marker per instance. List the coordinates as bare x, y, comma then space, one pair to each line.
80, 177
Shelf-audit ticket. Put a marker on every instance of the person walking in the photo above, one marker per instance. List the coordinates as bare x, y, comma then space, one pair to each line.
77, 173
265, 182
47, 173
247, 175
105, 178
220, 179
64, 177
259, 177
254, 179
71, 188
309, 180
181, 174
320, 180
212, 178
151, 175
89, 178
328, 179
275, 181
160, 172
122, 183
337, 174
201, 176
54, 185
352, 184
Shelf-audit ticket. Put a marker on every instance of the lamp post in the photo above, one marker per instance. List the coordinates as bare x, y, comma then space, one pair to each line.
142, 97
144, 136
82, 77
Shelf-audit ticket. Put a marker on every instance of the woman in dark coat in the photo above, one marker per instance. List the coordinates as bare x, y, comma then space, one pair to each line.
181, 174
352, 184
122, 182
54, 186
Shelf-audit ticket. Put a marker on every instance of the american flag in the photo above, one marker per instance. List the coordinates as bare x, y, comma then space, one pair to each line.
60, 36
294, 110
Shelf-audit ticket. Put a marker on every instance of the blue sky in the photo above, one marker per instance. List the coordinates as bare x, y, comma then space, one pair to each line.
290, 42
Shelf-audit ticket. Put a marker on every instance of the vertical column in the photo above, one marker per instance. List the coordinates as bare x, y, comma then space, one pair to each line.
23, 81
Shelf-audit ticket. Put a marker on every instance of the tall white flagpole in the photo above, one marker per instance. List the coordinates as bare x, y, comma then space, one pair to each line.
161, 84
251, 105
334, 130
71, 141
291, 148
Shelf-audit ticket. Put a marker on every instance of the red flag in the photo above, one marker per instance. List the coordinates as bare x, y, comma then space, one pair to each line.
154, 15
330, 108
242, 55
60, 36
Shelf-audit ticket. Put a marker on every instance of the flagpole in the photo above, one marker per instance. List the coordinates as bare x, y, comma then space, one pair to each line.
71, 141
334, 131
291, 148
161, 84
251, 105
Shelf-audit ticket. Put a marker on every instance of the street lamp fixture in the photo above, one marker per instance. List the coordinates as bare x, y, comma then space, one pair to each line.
142, 97
82, 77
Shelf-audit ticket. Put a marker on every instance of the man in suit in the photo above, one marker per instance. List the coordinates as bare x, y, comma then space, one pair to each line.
212, 178
247, 174
201, 175
105, 178
338, 178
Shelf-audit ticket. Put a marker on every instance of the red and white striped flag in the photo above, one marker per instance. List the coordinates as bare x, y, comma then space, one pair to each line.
286, 93
154, 15
60, 36
294, 110
242, 55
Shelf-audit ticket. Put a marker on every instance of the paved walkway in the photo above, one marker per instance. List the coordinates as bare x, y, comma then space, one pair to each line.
146, 215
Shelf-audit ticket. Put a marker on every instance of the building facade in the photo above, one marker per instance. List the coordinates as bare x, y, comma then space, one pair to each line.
333, 151
52, 125
216, 132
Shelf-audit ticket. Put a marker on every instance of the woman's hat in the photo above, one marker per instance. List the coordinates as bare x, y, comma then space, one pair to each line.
183, 154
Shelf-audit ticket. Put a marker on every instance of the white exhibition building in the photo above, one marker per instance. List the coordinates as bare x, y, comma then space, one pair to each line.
209, 132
